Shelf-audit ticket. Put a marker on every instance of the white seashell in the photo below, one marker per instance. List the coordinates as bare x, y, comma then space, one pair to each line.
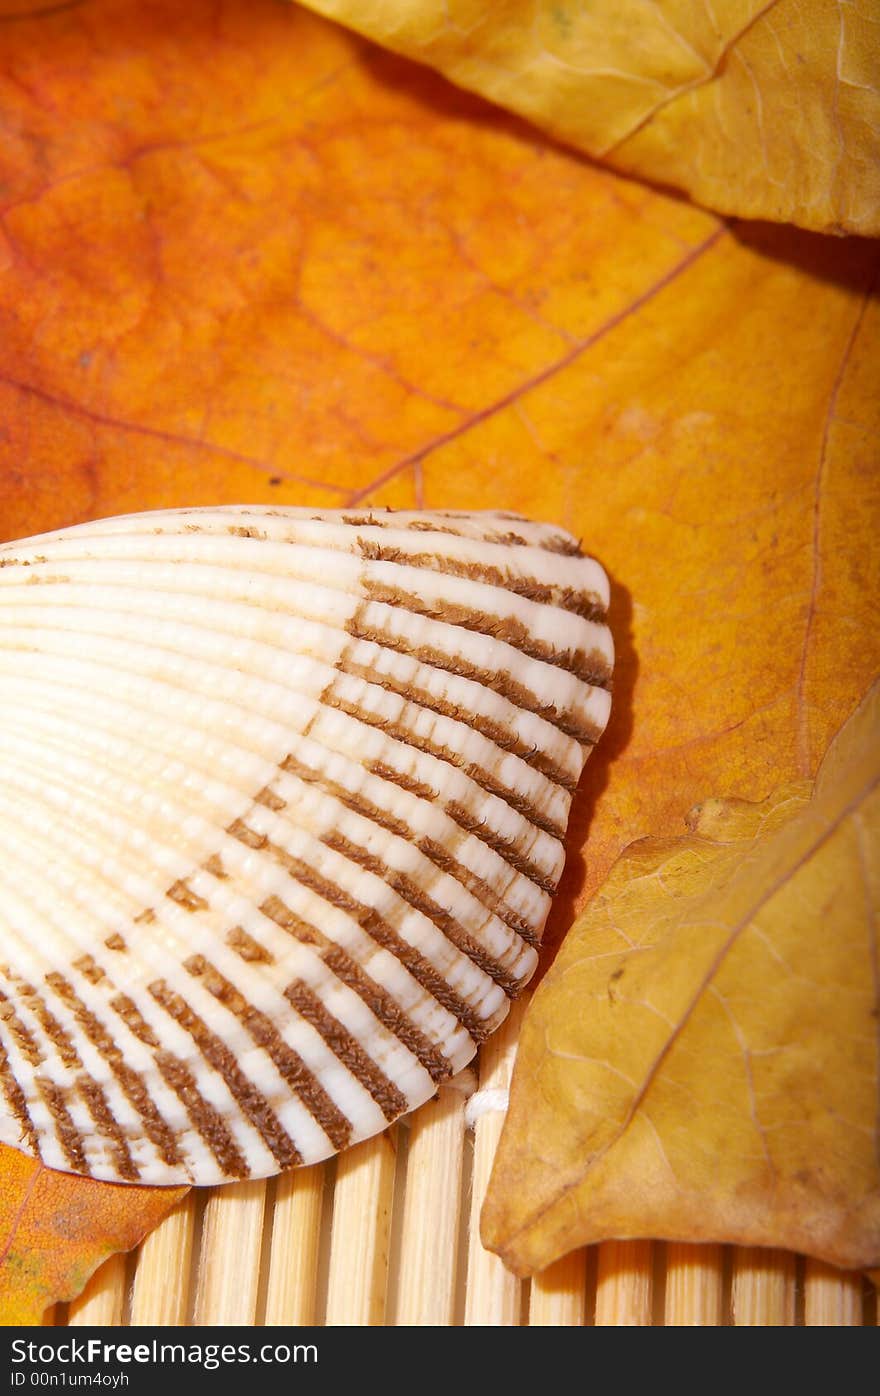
282, 803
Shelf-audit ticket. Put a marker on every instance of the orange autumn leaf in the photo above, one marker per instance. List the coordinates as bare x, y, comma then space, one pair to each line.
246, 256
55, 1229
766, 110
700, 1064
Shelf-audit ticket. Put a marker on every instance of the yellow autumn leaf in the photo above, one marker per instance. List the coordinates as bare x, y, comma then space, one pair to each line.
701, 1062
766, 110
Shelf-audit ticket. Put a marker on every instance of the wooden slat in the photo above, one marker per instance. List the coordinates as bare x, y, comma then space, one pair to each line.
557, 1297
431, 1211
291, 1292
694, 1285
832, 1298
361, 1227
162, 1288
764, 1290
229, 1260
624, 1284
492, 1293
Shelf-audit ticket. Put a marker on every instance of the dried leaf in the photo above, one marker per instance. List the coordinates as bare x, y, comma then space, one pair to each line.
245, 256
56, 1229
701, 1062
767, 110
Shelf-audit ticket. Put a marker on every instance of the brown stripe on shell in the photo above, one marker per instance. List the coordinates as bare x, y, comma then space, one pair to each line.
403, 779
426, 526
432, 850
380, 1003
557, 543
19, 1032
248, 948
407, 738
294, 925
155, 1127
245, 834
50, 1025
89, 970
181, 893
508, 539
591, 667
370, 921
69, 1137
346, 1047
17, 1102
58, 579
269, 798
207, 1121
503, 737
310, 776
578, 603
131, 1016
361, 521
115, 942
106, 1121
288, 1062
253, 1104
245, 531
503, 683
410, 892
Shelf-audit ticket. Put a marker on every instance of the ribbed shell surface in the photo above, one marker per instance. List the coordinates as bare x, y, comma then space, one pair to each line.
282, 802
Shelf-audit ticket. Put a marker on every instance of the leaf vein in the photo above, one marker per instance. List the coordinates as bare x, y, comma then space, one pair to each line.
512, 397
803, 733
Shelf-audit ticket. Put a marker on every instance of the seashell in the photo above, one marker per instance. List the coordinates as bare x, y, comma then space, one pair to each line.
282, 806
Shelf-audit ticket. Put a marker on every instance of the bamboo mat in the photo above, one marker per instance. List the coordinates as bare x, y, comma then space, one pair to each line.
387, 1234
